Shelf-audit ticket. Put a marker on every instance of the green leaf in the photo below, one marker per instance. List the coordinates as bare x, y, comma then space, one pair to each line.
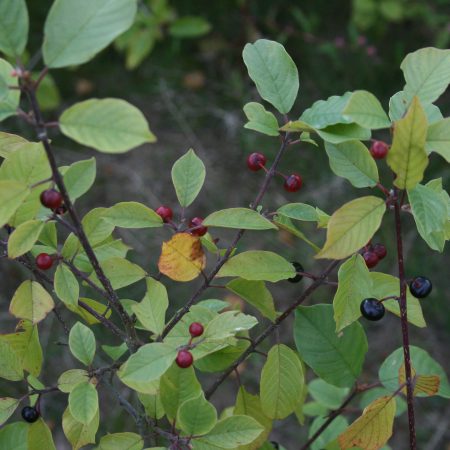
274, 73
315, 335
82, 344
258, 265
83, 402
121, 441
227, 324
189, 27
188, 176
385, 285
438, 138
423, 364
352, 226
7, 407
336, 427
147, 365
132, 215
109, 125
10, 102
151, 311
79, 177
327, 394
400, 102
25, 344
299, 211
71, 378
31, 301
78, 433
40, 436
407, 156
285, 223
177, 386
427, 73
372, 394
13, 27
196, 416
232, 432
9, 143
101, 308
10, 364
260, 120
240, 218
24, 237
282, 381
365, 109
120, 272
48, 95
66, 285
12, 194
352, 160
341, 132
250, 405
48, 235
354, 285
429, 210
324, 113
75, 31
152, 405
115, 351
14, 436
255, 293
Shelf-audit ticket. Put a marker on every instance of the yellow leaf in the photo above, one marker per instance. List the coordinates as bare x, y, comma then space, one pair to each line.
182, 258
373, 429
407, 156
423, 384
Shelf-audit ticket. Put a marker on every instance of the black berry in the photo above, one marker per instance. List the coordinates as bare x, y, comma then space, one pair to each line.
30, 414
298, 268
420, 287
293, 183
371, 259
372, 309
44, 261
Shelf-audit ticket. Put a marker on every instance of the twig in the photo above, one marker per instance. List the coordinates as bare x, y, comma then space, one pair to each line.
404, 323
185, 309
271, 328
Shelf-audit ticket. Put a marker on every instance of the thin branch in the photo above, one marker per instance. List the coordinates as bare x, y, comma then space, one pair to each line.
113, 299
272, 327
405, 334
206, 284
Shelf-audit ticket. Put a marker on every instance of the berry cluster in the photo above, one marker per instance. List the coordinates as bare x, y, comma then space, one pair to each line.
184, 357
195, 224
373, 254
257, 161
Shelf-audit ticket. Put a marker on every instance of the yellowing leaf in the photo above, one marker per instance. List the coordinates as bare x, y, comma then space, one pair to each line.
182, 258
352, 226
407, 156
373, 429
31, 301
423, 384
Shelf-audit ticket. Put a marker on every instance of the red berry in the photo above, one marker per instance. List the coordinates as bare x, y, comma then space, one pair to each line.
51, 198
379, 149
196, 329
165, 213
380, 250
371, 259
44, 261
184, 359
293, 183
256, 161
60, 210
197, 222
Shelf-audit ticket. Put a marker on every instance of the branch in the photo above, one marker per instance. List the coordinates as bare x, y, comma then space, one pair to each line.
131, 337
404, 322
185, 309
272, 327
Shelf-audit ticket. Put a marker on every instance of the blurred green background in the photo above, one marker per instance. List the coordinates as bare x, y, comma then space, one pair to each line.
181, 65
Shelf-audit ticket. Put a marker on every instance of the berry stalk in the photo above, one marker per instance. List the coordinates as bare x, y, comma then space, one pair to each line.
405, 334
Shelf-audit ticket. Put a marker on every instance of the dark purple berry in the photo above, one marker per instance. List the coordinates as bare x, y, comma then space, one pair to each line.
372, 309
379, 250
298, 268
420, 287
51, 198
30, 414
